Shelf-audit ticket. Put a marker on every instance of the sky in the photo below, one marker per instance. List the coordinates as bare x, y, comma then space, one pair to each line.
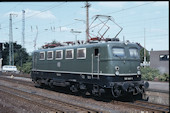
49, 21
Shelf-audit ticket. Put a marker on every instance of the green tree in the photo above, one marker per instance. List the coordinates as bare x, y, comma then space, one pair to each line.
22, 59
26, 68
20, 54
149, 73
163, 77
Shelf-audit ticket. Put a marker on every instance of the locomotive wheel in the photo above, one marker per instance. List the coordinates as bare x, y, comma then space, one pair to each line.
51, 84
74, 88
116, 91
138, 96
38, 83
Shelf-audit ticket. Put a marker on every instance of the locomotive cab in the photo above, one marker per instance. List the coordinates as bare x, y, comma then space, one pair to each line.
124, 63
125, 59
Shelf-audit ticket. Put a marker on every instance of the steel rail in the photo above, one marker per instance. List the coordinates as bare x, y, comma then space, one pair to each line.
69, 105
19, 97
145, 106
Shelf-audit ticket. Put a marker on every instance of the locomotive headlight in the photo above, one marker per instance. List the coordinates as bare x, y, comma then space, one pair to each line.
138, 67
117, 72
116, 68
138, 72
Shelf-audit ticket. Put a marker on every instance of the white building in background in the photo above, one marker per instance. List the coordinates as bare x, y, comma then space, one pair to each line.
160, 60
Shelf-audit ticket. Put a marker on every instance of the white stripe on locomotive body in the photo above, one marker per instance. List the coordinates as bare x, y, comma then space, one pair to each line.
105, 74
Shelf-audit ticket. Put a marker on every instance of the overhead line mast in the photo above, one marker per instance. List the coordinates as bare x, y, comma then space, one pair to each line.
23, 28
87, 20
11, 48
35, 40
10, 41
144, 50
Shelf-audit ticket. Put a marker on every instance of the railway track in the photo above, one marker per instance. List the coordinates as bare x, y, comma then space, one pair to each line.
28, 101
29, 76
153, 106
141, 105
27, 83
45, 102
156, 90
17, 75
145, 106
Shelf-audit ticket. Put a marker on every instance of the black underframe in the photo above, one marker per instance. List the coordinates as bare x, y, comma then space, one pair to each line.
101, 80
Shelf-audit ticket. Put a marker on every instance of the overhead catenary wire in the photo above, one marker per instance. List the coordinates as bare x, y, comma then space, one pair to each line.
131, 7
71, 23
42, 31
138, 22
108, 13
128, 22
76, 23
37, 13
46, 10
140, 36
10, 10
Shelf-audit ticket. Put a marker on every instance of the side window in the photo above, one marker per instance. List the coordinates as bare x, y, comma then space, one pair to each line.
96, 52
118, 52
49, 55
59, 54
42, 56
69, 54
164, 57
133, 52
81, 53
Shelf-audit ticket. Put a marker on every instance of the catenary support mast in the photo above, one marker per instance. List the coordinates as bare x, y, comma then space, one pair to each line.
87, 20
23, 28
11, 48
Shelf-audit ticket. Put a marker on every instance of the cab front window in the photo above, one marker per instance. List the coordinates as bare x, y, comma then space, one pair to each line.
118, 52
133, 53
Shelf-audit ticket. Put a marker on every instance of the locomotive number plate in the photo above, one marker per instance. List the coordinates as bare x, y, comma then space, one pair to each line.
128, 78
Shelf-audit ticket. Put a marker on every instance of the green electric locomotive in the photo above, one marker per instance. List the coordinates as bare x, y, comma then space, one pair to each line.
97, 67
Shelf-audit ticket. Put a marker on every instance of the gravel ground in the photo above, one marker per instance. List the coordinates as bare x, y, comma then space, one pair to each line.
157, 97
11, 105
19, 106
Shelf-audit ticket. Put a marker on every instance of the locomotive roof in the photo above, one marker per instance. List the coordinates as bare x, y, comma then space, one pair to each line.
89, 45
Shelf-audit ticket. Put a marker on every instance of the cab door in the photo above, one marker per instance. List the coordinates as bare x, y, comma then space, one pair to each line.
95, 63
